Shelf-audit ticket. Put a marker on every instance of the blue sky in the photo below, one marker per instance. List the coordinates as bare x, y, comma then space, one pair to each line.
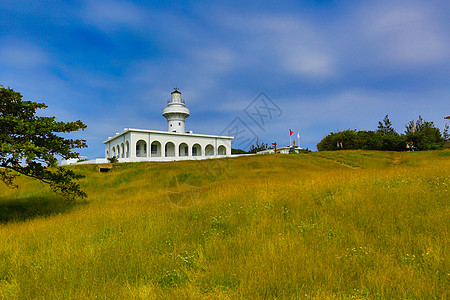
327, 65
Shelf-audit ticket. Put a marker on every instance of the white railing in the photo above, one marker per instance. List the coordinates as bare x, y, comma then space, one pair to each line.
170, 101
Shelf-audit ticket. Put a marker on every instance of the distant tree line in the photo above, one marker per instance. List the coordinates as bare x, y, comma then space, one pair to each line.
258, 146
423, 134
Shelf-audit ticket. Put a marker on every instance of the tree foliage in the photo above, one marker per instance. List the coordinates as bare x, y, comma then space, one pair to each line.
446, 134
238, 151
113, 159
29, 143
258, 146
386, 126
423, 134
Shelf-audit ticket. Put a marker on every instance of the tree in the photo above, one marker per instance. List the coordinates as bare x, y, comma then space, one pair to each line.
446, 134
413, 126
424, 134
258, 147
238, 151
29, 143
348, 138
386, 126
113, 159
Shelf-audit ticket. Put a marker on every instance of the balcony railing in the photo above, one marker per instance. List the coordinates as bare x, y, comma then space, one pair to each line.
170, 101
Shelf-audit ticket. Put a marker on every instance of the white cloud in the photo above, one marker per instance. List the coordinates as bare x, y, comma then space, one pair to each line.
113, 15
212, 59
22, 54
301, 48
407, 33
286, 43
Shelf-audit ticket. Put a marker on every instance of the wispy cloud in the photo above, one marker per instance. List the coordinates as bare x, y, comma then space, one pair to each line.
286, 42
113, 15
407, 33
22, 54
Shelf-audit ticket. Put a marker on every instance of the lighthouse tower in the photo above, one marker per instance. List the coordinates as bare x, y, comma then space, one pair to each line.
176, 113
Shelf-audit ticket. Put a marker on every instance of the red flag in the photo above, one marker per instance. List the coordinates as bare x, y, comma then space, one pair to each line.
290, 132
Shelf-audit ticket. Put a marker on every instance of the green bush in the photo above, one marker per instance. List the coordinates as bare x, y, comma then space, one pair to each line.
113, 159
423, 134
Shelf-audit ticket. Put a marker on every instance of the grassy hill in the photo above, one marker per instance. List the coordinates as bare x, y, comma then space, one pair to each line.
346, 224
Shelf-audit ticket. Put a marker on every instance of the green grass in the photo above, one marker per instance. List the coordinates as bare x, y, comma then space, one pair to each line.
327, 225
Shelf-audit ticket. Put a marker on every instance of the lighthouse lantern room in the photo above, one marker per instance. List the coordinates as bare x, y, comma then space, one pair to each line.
176, 113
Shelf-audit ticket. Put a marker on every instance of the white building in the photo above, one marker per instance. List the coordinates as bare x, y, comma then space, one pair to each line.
72, 161
175, 144
283, 150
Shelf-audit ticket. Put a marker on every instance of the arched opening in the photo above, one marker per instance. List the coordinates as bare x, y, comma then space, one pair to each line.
170, 149
222, 150
141, 148
156, 149
122, 150
127, 150
183, 149
196, 150
209, 150
107, 154
114, 151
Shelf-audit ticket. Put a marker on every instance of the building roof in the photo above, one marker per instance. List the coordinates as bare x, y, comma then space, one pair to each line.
448, 117
166, 132
176, 91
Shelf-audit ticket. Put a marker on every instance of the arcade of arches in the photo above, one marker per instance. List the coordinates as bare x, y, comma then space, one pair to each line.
169, 149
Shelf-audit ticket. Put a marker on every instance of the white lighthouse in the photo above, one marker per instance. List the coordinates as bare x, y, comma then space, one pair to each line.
175, 144
176, 113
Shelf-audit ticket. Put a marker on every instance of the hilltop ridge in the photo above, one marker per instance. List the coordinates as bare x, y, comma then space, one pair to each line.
341, 224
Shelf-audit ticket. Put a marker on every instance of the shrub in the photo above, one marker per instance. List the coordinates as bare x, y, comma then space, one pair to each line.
425, 136
113, 159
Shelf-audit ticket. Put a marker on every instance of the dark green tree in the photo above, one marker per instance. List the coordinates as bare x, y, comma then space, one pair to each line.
238, 151
424, 134
386, 126
258, 146
348, 138
414, 126
445, 134
29, 143
388, 139
113, 159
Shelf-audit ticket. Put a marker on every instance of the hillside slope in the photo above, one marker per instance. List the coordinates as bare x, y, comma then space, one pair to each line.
344, 224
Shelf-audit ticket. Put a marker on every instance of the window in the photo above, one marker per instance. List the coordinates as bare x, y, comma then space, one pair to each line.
194, 151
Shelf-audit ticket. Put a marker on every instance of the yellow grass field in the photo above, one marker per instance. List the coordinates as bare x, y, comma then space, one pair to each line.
323, 225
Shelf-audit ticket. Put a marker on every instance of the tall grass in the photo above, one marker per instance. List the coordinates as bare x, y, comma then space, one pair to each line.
274, 226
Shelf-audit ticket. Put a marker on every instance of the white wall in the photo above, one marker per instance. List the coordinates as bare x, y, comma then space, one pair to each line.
155, 159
